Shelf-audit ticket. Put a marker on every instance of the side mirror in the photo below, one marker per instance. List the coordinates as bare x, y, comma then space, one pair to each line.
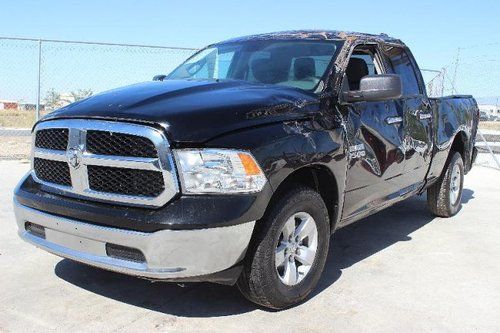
160, 77
376, 88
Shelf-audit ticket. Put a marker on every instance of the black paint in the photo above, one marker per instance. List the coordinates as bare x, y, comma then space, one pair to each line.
374, 164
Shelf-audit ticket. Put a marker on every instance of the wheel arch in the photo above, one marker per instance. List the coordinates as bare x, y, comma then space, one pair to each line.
321, 179
461, 145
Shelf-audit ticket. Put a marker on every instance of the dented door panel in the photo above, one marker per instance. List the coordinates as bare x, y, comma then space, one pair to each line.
375, 158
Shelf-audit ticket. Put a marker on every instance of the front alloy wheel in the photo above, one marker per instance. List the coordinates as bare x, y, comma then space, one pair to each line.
296, 248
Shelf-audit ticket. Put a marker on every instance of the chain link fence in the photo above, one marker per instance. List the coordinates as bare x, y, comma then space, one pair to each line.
435, 81
38, 76
47, 74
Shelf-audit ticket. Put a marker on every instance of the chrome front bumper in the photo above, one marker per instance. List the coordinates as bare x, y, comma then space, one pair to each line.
169, 254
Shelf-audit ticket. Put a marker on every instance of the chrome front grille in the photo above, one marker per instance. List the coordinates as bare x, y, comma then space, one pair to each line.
104, 160
106, 143
143, 183
52, 138
52, 171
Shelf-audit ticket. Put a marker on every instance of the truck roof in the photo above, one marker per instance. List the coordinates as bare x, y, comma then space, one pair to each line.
315, 35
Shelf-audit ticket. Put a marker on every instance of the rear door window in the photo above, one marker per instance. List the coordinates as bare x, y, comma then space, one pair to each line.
401, 64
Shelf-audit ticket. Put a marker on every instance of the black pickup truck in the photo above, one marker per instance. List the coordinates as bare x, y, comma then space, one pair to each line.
238, 166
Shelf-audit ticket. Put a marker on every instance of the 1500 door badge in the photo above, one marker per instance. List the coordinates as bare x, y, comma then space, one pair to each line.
357, 151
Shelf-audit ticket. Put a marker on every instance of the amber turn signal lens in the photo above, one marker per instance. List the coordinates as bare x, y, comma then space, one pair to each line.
251, 168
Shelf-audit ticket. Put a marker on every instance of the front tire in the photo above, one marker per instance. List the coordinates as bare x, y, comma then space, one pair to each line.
444, 197
288, 251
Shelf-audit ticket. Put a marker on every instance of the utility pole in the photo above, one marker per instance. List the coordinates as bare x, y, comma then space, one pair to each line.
38, 79
453, 84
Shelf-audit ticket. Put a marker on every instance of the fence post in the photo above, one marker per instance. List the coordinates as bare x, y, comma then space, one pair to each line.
38, 79
457, 60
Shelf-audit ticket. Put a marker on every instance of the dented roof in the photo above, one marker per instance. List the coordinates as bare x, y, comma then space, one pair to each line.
315, 35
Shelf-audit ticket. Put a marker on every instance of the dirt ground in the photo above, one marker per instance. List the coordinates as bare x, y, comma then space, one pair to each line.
489, 125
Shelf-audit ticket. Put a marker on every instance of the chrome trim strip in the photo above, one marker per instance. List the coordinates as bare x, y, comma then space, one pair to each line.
141, 163
49, 154
79, 176
169, 253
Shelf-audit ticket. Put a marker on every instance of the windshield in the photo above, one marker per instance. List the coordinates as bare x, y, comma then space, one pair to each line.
299, 64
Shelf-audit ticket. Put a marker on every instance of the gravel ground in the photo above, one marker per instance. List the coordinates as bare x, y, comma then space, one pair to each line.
401, 270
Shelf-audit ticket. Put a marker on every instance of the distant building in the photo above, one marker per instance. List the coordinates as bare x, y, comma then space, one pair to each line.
491, 110
8, 105
30, 107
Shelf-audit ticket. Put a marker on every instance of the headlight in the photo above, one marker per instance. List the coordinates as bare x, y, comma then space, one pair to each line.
219, 171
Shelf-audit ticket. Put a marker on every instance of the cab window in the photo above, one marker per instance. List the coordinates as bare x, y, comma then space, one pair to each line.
363, 62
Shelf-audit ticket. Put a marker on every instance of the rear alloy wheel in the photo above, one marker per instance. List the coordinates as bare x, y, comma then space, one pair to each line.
288, 251
455, 184
445, 196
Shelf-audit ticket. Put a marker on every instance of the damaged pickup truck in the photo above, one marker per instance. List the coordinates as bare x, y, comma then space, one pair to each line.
238, 166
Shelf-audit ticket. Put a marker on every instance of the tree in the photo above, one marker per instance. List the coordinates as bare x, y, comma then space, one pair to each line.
52, 99
81, 94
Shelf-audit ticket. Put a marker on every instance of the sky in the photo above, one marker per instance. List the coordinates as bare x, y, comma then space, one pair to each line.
434, 30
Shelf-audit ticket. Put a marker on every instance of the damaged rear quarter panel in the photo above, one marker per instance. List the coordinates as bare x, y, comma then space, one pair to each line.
452, 116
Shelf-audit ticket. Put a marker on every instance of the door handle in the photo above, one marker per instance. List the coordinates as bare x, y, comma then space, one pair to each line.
393, 120
423, 116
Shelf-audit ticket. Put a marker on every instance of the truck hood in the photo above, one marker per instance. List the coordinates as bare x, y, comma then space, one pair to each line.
194, 110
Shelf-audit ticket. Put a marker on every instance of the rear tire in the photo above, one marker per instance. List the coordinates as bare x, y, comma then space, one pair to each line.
444, 197
279, 268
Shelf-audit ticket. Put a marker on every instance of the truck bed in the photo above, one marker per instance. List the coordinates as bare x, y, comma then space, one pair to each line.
455, 117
